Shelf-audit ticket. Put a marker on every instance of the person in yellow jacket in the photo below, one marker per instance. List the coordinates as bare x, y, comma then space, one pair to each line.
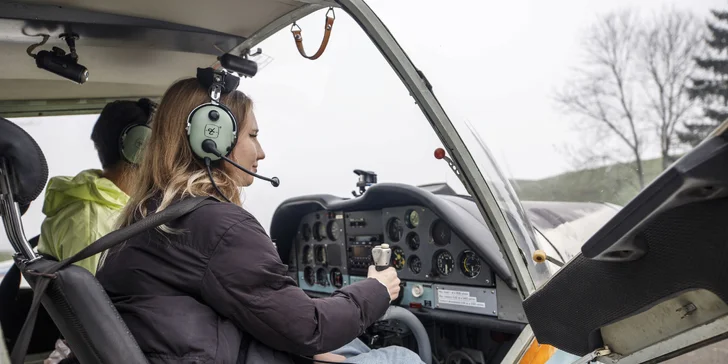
81, 209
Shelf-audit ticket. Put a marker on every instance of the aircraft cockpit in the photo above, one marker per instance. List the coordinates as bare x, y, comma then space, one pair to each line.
486, 276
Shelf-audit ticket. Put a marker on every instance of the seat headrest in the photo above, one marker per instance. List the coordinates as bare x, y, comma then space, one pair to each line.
26, 160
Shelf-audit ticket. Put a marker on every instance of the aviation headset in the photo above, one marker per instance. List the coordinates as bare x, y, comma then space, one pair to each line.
213, 120
133, 137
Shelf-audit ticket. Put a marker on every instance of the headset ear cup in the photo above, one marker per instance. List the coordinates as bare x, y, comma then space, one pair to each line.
214, 122
132, 142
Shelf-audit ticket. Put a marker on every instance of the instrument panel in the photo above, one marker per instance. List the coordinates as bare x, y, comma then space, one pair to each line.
424, 248
320, 253
333, 249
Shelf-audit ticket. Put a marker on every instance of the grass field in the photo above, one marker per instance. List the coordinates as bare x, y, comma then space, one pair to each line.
615, 183
5, 255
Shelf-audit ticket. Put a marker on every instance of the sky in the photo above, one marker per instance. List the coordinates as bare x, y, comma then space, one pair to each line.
493, 64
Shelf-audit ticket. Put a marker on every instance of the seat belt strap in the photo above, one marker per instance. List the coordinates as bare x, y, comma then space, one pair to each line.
108, 241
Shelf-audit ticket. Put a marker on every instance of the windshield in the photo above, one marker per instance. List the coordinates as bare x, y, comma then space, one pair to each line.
576, 101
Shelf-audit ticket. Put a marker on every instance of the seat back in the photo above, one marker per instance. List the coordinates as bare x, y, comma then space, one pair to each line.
14, 307
74, 300
85, 316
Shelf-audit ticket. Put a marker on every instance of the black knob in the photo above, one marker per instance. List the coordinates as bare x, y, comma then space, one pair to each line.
213, 115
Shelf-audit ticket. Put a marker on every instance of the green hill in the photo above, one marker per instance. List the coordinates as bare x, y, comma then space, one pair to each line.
614, 183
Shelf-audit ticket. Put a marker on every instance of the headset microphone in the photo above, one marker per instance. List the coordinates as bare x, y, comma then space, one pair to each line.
209, 146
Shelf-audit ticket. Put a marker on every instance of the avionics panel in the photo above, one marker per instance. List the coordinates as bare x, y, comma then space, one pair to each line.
424, 248
363, 232
320, 257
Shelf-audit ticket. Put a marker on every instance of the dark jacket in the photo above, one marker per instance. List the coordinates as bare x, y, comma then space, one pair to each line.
219, 293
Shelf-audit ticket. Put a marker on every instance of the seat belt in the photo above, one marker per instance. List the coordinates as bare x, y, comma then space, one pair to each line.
108, 241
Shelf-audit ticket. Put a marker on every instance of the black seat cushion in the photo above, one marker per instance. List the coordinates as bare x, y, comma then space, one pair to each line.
26, 160
85, 316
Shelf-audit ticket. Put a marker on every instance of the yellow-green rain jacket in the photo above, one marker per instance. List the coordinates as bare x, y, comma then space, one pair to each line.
79, 210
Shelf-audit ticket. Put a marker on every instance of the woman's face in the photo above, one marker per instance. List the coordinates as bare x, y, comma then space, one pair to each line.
247, 152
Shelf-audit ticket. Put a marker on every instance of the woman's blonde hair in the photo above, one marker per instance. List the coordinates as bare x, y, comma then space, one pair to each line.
168, 169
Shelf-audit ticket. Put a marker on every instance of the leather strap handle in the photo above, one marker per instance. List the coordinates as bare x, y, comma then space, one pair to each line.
327, 34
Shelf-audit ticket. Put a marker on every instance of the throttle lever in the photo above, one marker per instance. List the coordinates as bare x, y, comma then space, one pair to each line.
382, 257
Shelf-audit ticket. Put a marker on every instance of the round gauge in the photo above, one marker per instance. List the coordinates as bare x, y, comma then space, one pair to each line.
320, 254
337, 279
413, 240
415, 264
469, 264
306, 232
309, 276
440, 233
321, 277
394, 229
398, 259
444, 262
333, 230
319, 231
412, 219
307, 254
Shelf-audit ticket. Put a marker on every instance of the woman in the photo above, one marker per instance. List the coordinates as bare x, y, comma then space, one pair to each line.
211, 287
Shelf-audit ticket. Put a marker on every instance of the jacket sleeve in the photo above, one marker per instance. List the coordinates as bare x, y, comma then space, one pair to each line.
246, 282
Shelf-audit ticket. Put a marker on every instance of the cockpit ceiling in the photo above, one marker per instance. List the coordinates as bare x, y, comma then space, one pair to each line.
133, 48
237, 17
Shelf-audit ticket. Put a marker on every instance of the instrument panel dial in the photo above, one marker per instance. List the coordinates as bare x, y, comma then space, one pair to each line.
398, 258
309, 276
444, 263
333, 230
307, 254
413, 241
470, 264
394, 229
337, 279
441, 233
415, 264
320, 254
412, 219
306, 232
319, 231
322, 277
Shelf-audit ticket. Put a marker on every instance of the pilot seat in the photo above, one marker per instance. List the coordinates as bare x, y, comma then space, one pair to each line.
73, 298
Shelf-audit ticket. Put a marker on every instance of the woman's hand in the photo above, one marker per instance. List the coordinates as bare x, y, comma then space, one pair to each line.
388, 278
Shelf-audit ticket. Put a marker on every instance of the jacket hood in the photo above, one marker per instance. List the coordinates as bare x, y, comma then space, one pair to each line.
85, 186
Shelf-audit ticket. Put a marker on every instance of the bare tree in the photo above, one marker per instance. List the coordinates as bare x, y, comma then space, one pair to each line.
634, 81
603, 94
671, 40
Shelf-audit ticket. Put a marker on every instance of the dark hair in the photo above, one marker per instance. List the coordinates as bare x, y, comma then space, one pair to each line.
116, 116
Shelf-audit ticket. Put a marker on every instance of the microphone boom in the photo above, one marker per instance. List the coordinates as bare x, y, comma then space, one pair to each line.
209, 146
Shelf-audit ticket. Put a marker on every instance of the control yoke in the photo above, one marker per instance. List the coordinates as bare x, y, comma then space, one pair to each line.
382, 256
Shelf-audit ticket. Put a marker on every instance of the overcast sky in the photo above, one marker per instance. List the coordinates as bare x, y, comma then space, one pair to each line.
494, 64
